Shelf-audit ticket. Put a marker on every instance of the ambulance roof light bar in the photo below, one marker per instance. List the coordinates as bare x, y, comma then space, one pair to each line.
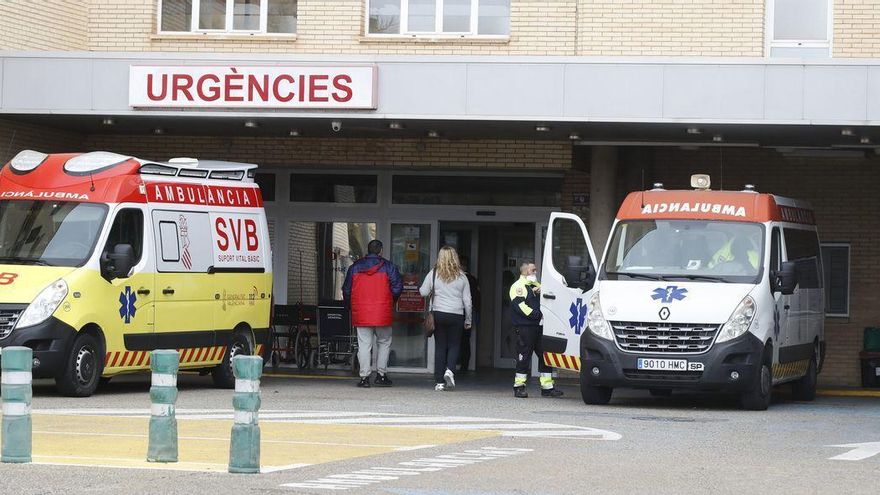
750, 188
27, 160
194, 168
658, 186
701, 182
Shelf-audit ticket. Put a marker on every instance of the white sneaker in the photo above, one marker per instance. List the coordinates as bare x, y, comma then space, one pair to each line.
439, 387
450, 379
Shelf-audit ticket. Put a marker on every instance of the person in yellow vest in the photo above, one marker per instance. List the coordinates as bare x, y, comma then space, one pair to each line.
525, 315
738, 250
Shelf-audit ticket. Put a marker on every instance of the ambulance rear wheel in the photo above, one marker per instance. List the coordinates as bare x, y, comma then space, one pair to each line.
222, 374
82, 371
593, 395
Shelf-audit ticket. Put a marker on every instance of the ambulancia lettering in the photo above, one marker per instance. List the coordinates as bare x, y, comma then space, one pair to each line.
44, 195
196, 194
714, 208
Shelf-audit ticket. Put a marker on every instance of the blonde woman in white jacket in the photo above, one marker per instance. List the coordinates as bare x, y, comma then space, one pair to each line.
451, 306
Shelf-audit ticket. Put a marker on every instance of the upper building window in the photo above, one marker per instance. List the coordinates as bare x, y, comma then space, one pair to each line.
799, 28
433, 17
227, 16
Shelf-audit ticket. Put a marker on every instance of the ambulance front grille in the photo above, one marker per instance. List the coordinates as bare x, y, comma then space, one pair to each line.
664, 338
8, 317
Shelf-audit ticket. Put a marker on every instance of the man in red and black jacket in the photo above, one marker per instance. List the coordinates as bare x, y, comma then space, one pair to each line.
371, 286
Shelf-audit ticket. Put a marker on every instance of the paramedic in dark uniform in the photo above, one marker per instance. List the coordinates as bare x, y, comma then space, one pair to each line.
525, 315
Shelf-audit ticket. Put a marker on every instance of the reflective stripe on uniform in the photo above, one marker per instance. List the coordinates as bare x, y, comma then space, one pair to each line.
520, 379
525, 308
546, 380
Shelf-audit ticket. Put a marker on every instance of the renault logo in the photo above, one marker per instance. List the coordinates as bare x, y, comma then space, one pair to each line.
664, 313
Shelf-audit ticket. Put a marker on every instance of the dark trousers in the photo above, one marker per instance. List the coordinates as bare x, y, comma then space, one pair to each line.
528, 340
447, 342
465, 359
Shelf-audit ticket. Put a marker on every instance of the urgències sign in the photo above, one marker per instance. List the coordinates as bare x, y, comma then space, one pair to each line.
252, 86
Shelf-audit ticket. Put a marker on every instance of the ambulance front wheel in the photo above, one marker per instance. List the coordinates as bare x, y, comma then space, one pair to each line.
82, 370
593, 395
222, 374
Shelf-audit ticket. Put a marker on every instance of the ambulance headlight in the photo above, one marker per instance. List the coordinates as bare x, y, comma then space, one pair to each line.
596, 322
739, 321
44, 305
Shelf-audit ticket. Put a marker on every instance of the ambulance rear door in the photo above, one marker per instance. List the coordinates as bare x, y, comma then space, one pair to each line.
568, 276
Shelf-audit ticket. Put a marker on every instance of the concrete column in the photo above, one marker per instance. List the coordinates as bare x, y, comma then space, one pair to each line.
603, 205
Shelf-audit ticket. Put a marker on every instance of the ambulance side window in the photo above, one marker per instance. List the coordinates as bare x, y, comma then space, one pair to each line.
775, 251
170, 241
128, 228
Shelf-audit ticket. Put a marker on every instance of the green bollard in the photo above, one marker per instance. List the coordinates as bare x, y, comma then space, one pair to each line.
15, 388
163, 395
244, 448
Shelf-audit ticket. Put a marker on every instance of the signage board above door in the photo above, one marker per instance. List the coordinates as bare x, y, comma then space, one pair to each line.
253, 86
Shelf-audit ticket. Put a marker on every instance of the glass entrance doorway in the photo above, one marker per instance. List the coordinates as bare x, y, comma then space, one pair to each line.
493, 253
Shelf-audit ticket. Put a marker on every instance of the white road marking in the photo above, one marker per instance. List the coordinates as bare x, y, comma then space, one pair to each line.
859, 451
507, 427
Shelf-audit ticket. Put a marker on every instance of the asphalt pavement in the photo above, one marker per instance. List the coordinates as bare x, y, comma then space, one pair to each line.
324, 435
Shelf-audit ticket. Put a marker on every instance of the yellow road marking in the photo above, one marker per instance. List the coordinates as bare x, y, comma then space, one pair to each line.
203, 444
848, 393
311, 377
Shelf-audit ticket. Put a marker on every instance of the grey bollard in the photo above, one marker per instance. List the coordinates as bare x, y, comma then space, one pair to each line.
16, 392
244, 447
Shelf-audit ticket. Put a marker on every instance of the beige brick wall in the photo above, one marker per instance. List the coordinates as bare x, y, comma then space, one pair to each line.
332, 27
856, 28
273, 151
715, 28
43, 25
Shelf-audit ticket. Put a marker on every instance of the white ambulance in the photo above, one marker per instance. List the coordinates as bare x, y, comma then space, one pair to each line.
698, 289
105, 257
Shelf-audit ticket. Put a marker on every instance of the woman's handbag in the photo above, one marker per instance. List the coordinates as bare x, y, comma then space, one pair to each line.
429, 315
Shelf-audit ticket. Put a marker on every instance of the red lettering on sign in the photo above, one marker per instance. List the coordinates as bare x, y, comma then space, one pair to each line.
164, 88
235, 227
250, 229
208, 93
276, 91
7, 278
315, 87
255, 87
180, 84
223, 240
341, 83
234, 82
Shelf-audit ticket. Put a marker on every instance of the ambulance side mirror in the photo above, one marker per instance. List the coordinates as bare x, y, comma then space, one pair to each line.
120, 262
785, 280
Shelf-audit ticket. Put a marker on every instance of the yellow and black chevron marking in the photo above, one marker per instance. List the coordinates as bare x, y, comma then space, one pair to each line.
562, 361
795, 369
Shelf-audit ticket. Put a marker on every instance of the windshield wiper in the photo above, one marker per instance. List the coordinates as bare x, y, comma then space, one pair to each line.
712, 278
638, 275
14, 260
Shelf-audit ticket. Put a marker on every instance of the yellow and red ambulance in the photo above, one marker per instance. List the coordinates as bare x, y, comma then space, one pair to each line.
698, 289
105, 257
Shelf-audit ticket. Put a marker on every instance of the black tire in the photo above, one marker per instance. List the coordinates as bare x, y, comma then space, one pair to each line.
222, 373
660, 392
594, 395
805, 388
758, 398
82, 371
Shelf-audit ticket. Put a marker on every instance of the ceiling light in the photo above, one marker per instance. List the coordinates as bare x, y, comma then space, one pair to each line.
865, 140
846, 132
694, 130
395, 125
251, 124
158, 130
574, 136
717, 138
293, 133
433, 134
542, 128
108, 121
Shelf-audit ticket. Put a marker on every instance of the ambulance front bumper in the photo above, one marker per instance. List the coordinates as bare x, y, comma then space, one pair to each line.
50, 341
728, 367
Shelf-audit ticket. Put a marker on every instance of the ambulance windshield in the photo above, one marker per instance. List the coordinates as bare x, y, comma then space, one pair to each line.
697, 250
56, 233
